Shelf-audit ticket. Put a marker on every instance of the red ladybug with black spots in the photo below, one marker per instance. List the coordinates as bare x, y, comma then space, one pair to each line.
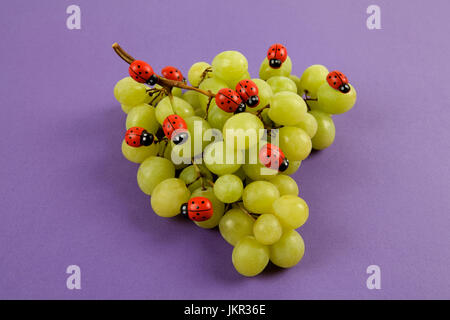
338, 81
175, 129
272, 157
137, 137
172, 73
248, 90
142, 72
277, 54
197, 209
229, 101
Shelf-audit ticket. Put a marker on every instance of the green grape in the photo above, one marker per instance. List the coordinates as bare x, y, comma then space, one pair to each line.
266, 72
265, 93
285, 184
232, 83
126, 108
228, 188
293, 167
259, 196
308, 124
312, 78
152, 171
138, 155
179, 107
192, 179
250, 257
220, 159
218, 208
143, 116
256, 171
243, 130
196, 143
280, 84
333, 101
213, 85
295, 143
130, 93
326, 130
292, 211
287, 108
229, 65
192, 97
168, 196
235, 224
289, 250
296, 81
196, 71
217, 117
267, 229
177, 92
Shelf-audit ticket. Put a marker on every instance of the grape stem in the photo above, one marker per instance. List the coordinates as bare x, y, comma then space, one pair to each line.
241, 206
163, 82
258, 113
204, 73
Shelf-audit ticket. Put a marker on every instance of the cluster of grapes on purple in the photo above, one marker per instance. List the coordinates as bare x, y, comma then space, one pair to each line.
255, 204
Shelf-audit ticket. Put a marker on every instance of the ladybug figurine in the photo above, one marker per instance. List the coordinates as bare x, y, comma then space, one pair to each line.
175, 129
229, 101
248, 90
277, 54
338, 81
172, 73
272, 157
142, 72
137, 137
197, 209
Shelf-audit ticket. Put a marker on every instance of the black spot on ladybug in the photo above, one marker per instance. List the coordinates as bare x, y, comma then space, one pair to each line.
198, 213
139, 65
140, 72
171, 71
134, 142
334, 82
203, 201
193, 202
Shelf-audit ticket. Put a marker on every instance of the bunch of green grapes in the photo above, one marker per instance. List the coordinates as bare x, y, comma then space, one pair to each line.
233, 142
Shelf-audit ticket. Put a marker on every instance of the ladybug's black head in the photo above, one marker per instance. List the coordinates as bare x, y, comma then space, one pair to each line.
184, 209
284, 165
275, 63
147, 138
152, 80
253, 101
241, 108
180, 137
344, 88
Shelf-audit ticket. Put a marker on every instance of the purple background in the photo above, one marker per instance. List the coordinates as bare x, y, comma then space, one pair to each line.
379, 195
